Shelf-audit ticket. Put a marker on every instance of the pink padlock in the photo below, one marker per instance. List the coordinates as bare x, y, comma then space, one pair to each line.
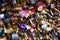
26, 13
32, 30
41, 4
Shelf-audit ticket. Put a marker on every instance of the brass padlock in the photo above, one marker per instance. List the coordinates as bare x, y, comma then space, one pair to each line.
9, 30
4, 38
1, 23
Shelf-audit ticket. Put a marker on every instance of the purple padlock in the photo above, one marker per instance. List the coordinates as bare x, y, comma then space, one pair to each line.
22, 25
56, 14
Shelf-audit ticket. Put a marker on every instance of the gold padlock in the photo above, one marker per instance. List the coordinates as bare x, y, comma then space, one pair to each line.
1, 23
4, 38
9, 30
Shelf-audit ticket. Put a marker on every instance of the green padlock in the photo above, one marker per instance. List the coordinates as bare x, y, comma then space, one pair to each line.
1, 32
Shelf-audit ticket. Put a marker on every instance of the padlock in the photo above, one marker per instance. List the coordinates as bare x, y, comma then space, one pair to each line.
32, 30
7, 20
7, 15
41, 35
22, 26
48, 1
2, 16
40, 8
4, 38
32, 1
14, 18
16, 14
56, 14
14, 2
52, 5
9, 29
1, 23
1, 32
14, 36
